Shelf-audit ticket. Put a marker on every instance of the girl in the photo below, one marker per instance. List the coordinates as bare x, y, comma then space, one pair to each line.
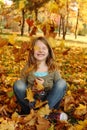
40, 67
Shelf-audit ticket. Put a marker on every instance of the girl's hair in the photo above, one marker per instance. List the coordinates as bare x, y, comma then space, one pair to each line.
32, 64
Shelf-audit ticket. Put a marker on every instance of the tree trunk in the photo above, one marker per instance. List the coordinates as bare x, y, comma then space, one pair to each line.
60, 26
36, 13
22, 23
65, 21
67, 8
76, 24
63, 27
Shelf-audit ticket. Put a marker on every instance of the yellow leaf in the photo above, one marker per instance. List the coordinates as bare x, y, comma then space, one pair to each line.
62, 44
52, 42
44, 111
81, 107
51, 127
69, 92
36, 48
39, 86
40, 103
53, 7
12, 38
79, 127
29, 116
80, 110
15, 116
30, 95
21, 4
83, 123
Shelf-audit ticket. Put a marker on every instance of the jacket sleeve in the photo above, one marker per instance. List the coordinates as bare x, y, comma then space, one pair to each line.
57, 76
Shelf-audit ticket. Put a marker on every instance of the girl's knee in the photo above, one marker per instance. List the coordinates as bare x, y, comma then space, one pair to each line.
61, 84
19, 85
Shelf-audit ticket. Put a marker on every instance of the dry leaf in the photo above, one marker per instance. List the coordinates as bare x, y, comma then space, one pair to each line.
30, 95
44, 111
43, 124
80, 110
39, 103
38, 86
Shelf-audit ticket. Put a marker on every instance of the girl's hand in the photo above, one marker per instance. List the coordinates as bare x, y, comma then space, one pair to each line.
39, 80
38, 85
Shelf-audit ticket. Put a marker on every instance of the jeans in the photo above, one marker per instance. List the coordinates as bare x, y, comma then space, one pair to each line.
53, 97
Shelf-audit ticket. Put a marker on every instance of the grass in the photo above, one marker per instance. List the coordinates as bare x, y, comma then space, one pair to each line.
81, 41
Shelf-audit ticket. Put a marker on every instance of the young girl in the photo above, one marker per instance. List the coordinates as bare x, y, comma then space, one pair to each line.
40, 67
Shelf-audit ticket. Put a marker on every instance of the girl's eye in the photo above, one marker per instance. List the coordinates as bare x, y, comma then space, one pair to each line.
44, 48
36, 48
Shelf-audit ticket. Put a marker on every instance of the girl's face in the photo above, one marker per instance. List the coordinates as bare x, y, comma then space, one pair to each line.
40, 51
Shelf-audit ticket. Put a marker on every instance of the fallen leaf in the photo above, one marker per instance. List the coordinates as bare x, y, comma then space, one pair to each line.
44, 111
29, 95
43, 124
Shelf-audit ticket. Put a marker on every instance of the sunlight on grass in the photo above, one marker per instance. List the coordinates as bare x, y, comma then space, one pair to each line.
70, 40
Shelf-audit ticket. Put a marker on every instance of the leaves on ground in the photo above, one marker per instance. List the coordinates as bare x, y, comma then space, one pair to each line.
72, 63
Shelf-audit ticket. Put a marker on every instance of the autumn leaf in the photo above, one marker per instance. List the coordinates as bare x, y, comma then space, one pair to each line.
3, 42
30, 116
38, 86
15, 116
80, 110
44, 111
7, 125
3, 110
39, 103
21, 4
30, 95
36, 48
74, 71
52, 42
30, 22
10, 94
69, 92
51, 127
62, 44
69, 102
12, 38
43, 124
53, 7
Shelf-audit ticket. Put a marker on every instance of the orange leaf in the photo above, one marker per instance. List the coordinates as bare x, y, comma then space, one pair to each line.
3, 42
43, 124
29, 117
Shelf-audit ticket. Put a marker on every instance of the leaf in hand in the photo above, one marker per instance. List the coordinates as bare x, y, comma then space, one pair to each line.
38, 85
30, 95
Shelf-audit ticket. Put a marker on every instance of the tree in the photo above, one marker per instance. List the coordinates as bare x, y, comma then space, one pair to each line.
28, 5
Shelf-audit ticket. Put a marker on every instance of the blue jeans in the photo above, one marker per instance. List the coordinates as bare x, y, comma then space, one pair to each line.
54, 96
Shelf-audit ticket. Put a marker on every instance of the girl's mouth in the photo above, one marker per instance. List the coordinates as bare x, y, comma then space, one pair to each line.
40, 54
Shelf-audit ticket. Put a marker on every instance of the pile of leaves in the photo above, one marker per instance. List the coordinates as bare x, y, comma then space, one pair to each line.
72, 64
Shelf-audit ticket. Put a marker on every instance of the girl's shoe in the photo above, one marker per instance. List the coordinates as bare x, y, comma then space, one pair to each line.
57, 116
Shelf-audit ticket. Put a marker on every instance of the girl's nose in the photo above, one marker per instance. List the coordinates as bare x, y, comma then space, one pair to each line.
40, 50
